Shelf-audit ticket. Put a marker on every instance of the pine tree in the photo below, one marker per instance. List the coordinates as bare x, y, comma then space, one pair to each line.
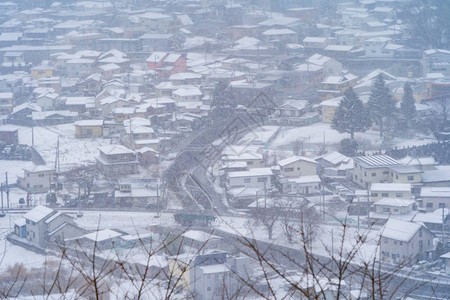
350, 116
408, 107
381, 105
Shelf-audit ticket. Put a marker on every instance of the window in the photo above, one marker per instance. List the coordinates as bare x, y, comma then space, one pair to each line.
41, 175
401, 243
249, 163
384, 194
411, 177
365, 173
420, 234
262, 179
441, 205
386, 209
289, 169
247, 180
374, 194
396, 176
395, 242
429, 205
395, 209
398, 195
385, 172
374, 174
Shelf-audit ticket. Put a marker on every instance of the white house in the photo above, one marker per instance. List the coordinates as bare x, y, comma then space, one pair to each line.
403, 241
256, 177
37, 179
390, 190
297, 166
435, 197
302, 185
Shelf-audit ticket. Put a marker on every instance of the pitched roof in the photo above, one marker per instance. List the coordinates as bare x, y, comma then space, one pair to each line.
400, 230
293, 159
39, 213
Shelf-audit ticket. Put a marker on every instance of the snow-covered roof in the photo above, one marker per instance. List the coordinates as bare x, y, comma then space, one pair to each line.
38, 168
418, 161
292, 159
200, 236
395, 202
88, 123
392, 187
376, 161
186, 92
408, 169
102, 235
115, 149
213, 269
314, 39
281, 31
334, 158
39, 213
439, 192
305, 179
441, 174
156, 57
332, 102
251, 173
400, 230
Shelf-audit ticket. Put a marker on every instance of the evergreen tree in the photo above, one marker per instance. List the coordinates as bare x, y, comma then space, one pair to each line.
348, 147
408, 106
381, 105
351, 115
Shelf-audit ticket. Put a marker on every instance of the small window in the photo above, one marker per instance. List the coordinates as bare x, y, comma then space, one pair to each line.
386, 209
411, 177
365, 173
385, 172
374, 194
384, 195
429, 205
247, 180
398, 195
262, 179
249, 163
374, 174
396, 176
401, 243
441, 205
395, 209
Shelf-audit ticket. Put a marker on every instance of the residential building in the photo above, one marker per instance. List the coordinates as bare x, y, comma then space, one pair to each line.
290, 112
37, 179
303, 185
390, 190
9, 134
6, 103
435, 197
45, 225
115, 160
256, 177
88, 128
405, 174
403, 242
253, 160
334, 164
328, 108
297, 166
137, 194
372, 169
393, 206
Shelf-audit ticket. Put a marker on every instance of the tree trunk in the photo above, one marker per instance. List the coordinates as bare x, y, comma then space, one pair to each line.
352, 135
381, 127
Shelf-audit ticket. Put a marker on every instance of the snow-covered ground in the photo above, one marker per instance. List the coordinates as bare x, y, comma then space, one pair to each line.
320, 134
72, 152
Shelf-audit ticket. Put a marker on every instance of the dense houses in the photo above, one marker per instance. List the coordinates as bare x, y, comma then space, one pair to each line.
137, 84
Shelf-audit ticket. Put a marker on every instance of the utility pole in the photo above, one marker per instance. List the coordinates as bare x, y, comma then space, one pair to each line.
1, 192
7, 190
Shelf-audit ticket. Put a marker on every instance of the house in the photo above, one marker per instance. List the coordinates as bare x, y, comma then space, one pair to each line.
44, 225
423, 163
334, 164
47, 101
242, 197
37, 179
393, 207
280, 35
297, 166
53, 117
187, 94
303, 185
88, 128
256, 177
79, 67
372, 169
9, 134
137, 194
100, 239
330, 66
42, 71
438, 177
6, 103
435, 197
200, 240
253, 160
315, 43
328, 108
390, 190
79, 104
437, 60
13, 60
405, 174
446, 258
290, 112
22, 113
116, 160
403, 242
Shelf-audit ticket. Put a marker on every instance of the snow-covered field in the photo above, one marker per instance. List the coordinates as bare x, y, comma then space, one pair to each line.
318, 135
72, 152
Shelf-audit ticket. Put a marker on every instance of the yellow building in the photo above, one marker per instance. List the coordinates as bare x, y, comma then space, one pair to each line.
39, 72
328, 108
88, 128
